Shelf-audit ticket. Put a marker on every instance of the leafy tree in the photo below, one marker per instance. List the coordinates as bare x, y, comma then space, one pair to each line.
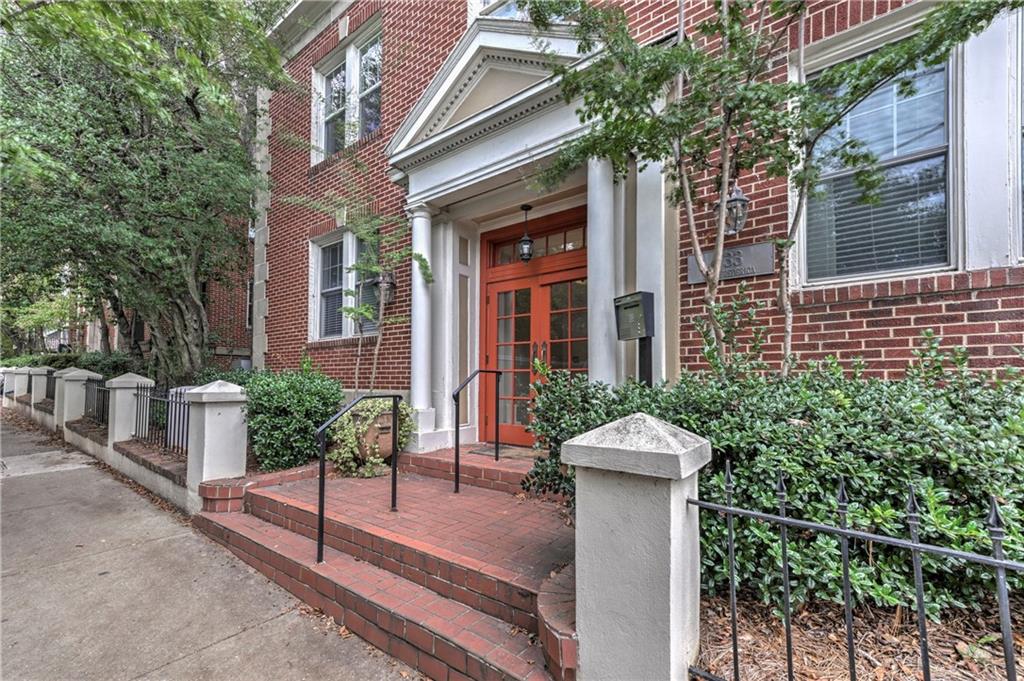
716, 107
131, 167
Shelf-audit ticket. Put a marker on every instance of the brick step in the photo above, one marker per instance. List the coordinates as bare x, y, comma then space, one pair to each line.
476, 470
479, 584
441, 638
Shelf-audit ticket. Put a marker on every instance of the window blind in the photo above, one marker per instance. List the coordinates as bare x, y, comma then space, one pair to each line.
908, 227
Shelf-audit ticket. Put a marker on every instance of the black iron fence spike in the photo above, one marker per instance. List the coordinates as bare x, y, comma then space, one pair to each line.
728, 474
780, 486
841, 497
913, 510
994, 522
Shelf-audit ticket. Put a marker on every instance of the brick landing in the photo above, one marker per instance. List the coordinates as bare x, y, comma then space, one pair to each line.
448, 583
476, 469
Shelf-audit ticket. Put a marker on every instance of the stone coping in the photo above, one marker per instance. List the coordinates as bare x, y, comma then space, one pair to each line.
44, 405
226, 494
155, 458
88, 428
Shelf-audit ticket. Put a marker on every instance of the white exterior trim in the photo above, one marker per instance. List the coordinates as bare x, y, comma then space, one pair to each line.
349, 254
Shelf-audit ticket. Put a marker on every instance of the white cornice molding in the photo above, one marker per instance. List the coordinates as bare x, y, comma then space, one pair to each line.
492, 38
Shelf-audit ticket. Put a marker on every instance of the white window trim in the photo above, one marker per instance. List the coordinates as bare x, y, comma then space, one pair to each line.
861, 40
349, 251
1016, 40
348, 54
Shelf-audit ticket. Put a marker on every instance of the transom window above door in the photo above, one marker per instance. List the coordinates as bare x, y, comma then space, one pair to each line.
346, 95
551, 243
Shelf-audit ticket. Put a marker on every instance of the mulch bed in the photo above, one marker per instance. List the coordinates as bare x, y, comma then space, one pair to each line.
964, 646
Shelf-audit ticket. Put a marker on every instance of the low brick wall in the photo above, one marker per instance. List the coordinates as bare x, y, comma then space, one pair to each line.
227, 495
155, 459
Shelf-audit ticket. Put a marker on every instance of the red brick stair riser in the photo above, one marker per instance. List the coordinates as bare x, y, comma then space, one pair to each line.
443, 639
227, 495
490, 594
500, 476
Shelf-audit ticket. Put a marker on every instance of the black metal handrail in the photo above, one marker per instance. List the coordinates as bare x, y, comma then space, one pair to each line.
457, 396
321, 437
51, 385
997, 561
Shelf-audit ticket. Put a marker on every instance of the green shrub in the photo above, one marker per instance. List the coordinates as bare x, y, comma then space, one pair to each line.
114, 364
955, 436
237, 376
348, 432
284, 410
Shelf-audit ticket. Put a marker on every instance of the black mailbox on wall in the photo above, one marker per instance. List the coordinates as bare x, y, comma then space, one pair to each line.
634, 315
634, 320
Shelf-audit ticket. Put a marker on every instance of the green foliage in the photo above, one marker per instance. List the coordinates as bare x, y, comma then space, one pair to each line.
237, 376
128, 174
114, 364
349, 450
953, 434
284, 410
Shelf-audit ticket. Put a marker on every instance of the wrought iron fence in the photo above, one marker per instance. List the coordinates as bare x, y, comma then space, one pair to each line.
51, 385
97, 401
29, 391
997, 562
161, 417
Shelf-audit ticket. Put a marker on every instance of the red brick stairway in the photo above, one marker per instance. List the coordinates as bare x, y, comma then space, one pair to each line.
448, 584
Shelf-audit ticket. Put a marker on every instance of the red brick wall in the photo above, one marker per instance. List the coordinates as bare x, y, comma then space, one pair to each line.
417, 36
227, 313
879, 322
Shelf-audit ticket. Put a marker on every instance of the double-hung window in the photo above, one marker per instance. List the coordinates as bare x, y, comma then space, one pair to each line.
908, 228
347, 95
337, 284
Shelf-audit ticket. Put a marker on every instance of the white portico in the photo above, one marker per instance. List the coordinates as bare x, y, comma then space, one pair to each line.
467, 153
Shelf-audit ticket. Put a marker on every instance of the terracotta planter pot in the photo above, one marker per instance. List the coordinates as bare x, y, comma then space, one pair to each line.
377, 433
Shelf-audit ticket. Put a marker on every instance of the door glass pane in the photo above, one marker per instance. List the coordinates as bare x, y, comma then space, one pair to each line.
522, 412
579, 293
559, 325
522, 356
522, 329
506, 388
579, 354
522, 383
523, 301
560, 355
560, 296
505, 411
504, 330
504, 254
505, 304
579, 324
505, 356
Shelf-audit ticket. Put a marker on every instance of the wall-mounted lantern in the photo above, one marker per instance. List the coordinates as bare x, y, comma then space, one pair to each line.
736, 207
526, 242
386, 287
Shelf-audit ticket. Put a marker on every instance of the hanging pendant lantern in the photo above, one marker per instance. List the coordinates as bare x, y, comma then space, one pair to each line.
736, 207
526, 242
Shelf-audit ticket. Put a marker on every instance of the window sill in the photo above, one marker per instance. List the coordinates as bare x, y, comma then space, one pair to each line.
342, 342
349, 150
942, 281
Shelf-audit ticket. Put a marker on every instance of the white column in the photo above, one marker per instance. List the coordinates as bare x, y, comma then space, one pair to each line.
637, 548
58, 396
74, 394
601, 335
420, 316
217, 436
654, 262
121, 419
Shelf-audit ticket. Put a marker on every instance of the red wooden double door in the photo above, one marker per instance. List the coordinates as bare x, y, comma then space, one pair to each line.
531, 311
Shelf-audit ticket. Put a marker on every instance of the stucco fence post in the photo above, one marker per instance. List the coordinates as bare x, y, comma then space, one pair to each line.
20, 375
8, 386
38, 393
58, 396
217, 436
637, 549
73, 398
123, 401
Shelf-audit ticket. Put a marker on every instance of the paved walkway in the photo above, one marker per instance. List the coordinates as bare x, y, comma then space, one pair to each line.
99, 583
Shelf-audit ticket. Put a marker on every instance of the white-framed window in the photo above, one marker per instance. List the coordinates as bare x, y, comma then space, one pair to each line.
334, 285
347, 94
909, 228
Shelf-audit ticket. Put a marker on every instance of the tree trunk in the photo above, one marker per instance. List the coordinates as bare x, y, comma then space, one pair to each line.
104, 329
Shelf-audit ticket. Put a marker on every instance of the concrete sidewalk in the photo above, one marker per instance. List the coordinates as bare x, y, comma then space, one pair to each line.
99, 583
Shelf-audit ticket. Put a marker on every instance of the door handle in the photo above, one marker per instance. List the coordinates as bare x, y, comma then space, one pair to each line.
533, 355
544, 352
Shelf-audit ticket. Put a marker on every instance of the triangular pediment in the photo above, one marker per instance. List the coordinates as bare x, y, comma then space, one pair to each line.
493, 62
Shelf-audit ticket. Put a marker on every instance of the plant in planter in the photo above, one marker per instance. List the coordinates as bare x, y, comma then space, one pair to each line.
361, 439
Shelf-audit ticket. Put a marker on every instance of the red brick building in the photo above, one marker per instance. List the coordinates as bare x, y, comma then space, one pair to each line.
440, 110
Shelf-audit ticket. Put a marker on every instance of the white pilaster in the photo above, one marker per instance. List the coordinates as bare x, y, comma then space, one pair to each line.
121, 419
217, 436
654, 260
601, 271
74, 394
637, 549
421, 216
58, 396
